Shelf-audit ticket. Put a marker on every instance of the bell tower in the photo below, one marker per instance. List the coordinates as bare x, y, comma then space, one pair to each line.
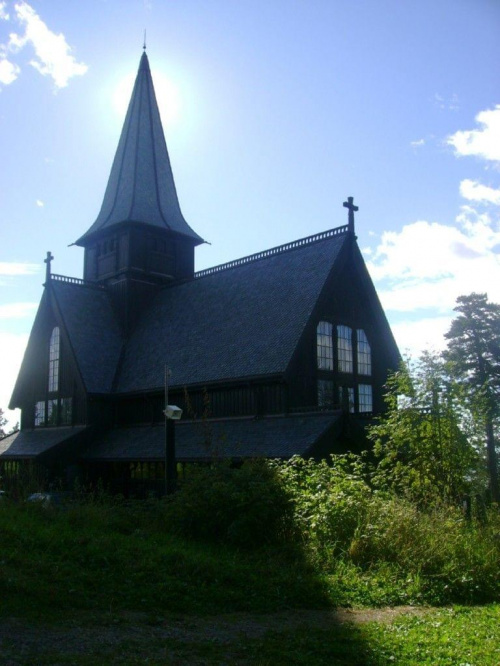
140, 240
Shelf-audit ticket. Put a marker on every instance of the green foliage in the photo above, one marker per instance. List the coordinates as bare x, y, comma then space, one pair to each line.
421, 449
246, 507
330, 501
473, 357
118, 556
374, 547
269, 535
3, 422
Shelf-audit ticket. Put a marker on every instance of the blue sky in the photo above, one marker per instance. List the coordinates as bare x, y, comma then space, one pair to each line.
274, 112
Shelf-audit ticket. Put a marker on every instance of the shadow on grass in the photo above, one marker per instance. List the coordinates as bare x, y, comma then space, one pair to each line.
224, 545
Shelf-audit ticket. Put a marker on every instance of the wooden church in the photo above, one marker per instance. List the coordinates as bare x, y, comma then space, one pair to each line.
278, 353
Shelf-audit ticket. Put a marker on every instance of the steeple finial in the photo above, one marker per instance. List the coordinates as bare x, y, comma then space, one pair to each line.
144, 43
352, 209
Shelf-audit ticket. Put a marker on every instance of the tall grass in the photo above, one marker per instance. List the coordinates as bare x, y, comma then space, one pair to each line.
267, 536
343, 525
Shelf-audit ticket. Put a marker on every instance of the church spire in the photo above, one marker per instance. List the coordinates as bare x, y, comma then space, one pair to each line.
141, 185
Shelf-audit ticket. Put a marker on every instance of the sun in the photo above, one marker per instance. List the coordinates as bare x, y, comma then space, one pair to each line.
167, 95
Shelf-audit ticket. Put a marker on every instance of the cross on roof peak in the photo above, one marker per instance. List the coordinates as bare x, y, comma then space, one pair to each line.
349, 204
48, 259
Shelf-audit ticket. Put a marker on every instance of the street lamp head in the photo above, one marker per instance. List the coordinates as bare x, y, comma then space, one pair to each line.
173, 412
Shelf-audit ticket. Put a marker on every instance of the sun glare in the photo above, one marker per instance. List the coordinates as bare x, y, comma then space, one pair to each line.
167, 96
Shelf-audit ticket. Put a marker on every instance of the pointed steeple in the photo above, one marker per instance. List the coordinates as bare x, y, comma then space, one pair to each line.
141, 185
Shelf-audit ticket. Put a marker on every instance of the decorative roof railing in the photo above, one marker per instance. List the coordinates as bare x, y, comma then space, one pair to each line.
338, 231
74, 280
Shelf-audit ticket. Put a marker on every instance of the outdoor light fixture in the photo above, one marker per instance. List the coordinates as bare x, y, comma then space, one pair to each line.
173, 412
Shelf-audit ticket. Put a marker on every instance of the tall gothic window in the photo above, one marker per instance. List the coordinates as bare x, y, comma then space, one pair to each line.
344, 349
324, 337
54, 349
364, 354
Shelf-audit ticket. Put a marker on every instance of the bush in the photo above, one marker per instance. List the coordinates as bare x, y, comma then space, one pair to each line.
330, 501
434, 552
407, 552
246, 506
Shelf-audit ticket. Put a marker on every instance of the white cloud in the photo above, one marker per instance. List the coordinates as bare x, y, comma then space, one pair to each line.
40, 203
474, 191
12, 348
52, 52
484, 142
426, 265
17, 268
8, 71
3, 12
418, 143
17, 310
416, 336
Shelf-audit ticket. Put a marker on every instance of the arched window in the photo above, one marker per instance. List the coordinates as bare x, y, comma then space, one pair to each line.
364, 354
344, 349
54, 349
324, 345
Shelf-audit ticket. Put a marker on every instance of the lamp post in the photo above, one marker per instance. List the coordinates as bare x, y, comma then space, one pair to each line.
172, 413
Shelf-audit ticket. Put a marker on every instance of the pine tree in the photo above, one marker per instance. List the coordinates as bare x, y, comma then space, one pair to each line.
473, 356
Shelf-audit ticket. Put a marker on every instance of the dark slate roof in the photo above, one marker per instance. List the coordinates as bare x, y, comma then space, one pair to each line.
32, 443
270, 437
241, 322
93, 330
141, 184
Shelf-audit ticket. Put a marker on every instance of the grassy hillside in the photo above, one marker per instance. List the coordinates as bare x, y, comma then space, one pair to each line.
265, 539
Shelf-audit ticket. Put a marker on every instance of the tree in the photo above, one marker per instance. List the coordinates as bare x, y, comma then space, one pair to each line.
3, 421
473, 356
421, 448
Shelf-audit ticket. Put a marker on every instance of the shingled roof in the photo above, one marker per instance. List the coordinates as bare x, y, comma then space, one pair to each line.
240, 322
34, 443
271, 437
93, 330
141, 184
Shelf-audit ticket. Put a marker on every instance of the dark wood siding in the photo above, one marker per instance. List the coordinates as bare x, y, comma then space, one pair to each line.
345, 300
211, 402
69, 383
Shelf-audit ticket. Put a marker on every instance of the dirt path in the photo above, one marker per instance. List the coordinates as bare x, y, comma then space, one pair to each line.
24, 643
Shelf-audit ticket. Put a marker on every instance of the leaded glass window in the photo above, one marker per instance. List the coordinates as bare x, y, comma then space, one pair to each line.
54, 348
346, 397
325, 345
325, 393
66, 411
344, 348
364, 354
365, 398
52, 412
40, 413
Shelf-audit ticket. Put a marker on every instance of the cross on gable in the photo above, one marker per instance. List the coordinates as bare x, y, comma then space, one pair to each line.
352, 209
47, 261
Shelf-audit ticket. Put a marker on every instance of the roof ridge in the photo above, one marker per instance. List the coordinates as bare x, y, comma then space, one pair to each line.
279, 249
